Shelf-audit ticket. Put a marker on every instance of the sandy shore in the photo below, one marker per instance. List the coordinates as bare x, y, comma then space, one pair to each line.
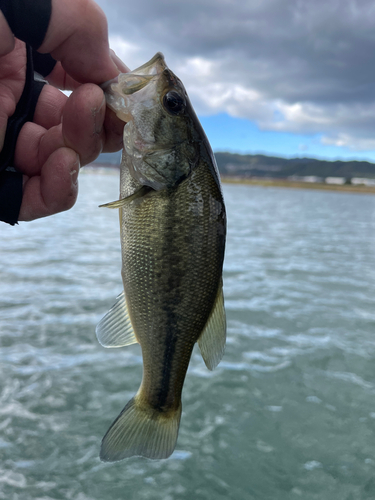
300, 185
111, 169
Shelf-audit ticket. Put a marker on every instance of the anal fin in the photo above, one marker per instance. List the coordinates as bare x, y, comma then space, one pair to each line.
115, 329
212, 340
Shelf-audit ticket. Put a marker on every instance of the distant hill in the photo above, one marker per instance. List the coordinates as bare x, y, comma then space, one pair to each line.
272, 166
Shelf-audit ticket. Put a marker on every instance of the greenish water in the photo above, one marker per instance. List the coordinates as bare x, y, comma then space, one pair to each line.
288, 414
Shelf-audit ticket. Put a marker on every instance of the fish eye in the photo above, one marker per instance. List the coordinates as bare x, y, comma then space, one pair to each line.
173, 103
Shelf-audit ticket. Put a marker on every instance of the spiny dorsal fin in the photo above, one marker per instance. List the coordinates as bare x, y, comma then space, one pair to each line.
115, 329
212, 340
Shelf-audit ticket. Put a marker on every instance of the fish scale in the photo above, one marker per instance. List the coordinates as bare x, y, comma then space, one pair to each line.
155, 304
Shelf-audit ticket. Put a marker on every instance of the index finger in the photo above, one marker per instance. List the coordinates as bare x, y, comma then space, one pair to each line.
61, 79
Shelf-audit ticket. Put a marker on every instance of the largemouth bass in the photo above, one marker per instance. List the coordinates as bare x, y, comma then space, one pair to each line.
173, 228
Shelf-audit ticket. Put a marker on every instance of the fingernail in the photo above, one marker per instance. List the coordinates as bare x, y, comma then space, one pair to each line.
118, 63
98, 115
75, 170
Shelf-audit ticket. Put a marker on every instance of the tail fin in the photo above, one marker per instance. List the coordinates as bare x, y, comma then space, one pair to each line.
142, 432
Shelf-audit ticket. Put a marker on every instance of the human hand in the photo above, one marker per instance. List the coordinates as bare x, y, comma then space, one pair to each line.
65, 132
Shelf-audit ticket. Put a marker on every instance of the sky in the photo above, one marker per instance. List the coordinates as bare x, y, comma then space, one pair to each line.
279, 77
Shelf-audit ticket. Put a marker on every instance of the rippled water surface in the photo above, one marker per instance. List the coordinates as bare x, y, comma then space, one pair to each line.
288, 414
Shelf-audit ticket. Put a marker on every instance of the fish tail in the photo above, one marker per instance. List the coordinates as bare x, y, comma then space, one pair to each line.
140, 430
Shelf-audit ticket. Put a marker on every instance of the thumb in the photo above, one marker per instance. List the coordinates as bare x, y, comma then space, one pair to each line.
77, 36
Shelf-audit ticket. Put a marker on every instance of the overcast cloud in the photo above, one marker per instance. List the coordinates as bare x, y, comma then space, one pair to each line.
298, 66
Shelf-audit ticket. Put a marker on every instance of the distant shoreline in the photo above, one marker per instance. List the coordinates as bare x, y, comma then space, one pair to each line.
299, 185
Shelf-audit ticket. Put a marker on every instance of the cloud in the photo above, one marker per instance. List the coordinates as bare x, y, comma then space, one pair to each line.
350, 142
289, 65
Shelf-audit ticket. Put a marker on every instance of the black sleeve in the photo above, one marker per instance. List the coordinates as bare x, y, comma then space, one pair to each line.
43, 63
10, 179
28, 19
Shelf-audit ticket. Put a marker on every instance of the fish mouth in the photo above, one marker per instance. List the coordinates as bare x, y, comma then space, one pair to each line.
118, 90
129, 85
154, 66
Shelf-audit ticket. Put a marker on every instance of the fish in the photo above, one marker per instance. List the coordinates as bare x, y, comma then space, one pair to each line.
173, 232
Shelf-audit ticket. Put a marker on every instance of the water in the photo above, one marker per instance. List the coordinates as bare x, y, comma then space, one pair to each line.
288, 414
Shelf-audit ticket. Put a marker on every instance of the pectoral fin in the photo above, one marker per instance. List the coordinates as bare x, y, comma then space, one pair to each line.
124, 201
115, 329
212, 340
